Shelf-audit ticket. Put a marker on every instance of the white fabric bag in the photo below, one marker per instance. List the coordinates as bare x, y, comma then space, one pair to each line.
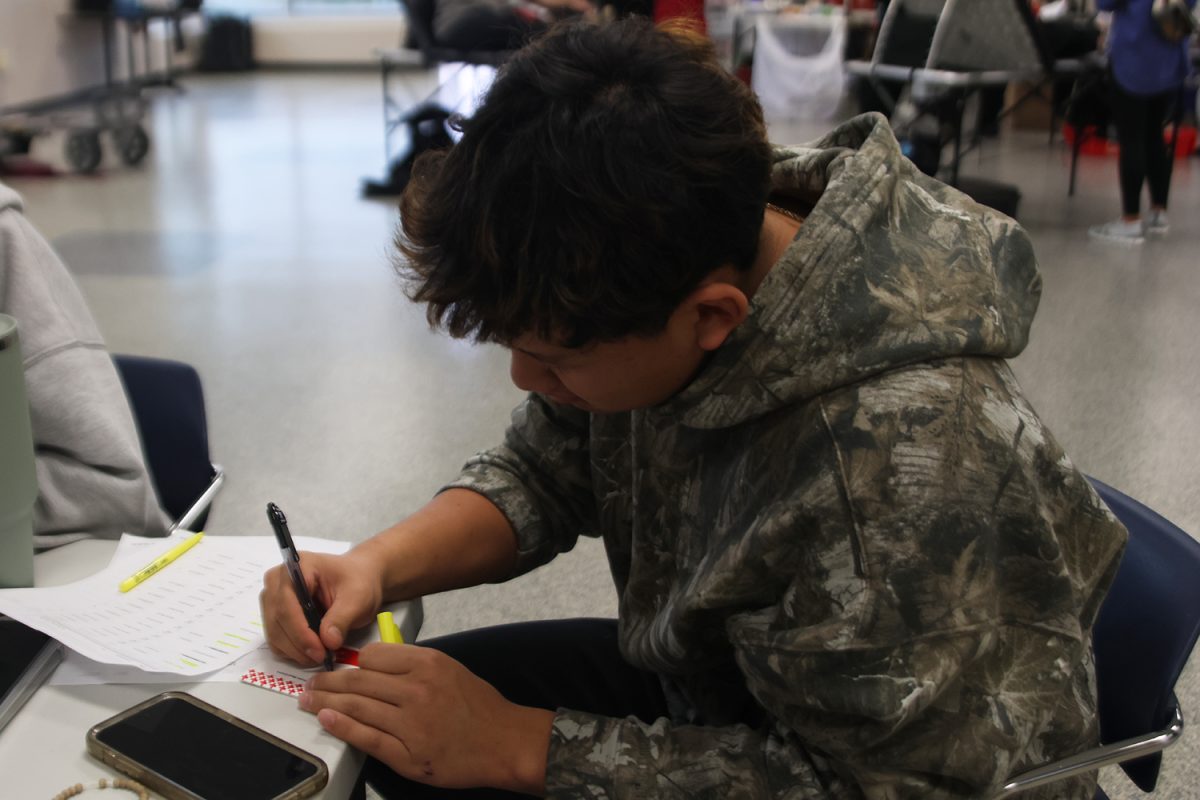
793, 79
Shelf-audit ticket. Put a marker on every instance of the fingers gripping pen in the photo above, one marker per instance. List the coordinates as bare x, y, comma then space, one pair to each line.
291, 559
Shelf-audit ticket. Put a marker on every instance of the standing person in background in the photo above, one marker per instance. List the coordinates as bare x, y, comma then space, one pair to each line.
1147, 71
91, 474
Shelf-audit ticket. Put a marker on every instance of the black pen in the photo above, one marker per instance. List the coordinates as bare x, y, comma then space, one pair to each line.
291, 559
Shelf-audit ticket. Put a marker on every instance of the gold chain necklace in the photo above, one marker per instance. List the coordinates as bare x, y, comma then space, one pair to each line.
789, 214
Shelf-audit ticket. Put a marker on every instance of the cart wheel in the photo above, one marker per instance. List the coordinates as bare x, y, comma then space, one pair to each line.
132, 143
82, 150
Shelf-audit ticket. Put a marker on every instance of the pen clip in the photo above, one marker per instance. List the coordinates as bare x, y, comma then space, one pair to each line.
275, 514
283, 536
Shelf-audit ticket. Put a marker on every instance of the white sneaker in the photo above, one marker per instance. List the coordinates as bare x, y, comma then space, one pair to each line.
1119, 232
1156, 223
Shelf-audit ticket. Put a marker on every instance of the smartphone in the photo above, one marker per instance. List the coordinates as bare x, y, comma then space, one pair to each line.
27, 657
186, 749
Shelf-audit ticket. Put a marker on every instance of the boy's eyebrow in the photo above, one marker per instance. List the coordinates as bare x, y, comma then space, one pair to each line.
548, 357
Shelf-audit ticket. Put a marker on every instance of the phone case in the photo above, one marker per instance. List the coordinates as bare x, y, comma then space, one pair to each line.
170, 790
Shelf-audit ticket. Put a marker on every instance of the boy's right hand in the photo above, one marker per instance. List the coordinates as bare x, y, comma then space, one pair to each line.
348, 587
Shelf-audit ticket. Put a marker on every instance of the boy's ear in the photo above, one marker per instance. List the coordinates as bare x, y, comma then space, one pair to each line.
719, 308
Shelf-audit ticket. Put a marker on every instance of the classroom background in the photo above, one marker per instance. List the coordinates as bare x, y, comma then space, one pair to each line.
251, 239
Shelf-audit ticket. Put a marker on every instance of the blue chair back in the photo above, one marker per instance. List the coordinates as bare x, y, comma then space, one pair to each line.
1146, 629
168, 406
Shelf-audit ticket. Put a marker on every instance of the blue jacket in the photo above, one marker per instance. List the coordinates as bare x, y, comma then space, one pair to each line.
1143, 62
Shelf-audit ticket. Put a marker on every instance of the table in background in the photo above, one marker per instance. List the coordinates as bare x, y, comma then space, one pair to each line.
42, 750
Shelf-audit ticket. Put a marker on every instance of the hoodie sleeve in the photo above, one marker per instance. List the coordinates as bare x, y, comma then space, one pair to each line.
878, 713
540, 479
863, 717
593, 757
860, 705
91, 474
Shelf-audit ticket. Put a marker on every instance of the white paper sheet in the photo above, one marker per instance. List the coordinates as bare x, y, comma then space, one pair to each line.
198, 615
77, 669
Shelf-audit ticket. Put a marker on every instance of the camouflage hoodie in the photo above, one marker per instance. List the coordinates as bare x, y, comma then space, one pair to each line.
857, 558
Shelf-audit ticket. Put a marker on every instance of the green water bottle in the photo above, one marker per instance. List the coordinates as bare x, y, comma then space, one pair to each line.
18, 480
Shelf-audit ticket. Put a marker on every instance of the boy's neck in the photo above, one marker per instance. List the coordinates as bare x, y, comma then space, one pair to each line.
778, 231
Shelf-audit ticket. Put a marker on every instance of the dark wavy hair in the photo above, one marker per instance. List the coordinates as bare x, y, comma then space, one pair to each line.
609, 169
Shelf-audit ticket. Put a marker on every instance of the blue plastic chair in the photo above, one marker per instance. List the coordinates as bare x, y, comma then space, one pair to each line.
1144, 634
168, 406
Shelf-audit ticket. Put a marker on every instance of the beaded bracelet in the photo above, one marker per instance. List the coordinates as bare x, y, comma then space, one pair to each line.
116, 783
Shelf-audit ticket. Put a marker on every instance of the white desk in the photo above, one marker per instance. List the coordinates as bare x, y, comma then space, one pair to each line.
42, 750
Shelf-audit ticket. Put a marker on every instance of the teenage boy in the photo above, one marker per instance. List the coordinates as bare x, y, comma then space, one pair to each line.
851, 561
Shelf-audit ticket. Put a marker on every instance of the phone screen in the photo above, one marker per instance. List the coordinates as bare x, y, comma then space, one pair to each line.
205, 754
21, 646
27, 657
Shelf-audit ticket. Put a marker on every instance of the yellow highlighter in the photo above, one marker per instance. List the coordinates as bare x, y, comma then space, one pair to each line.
389, 631
160, 562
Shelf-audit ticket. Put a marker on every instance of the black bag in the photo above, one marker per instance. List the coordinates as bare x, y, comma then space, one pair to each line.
925, 151
427, 126
228, 45
1003, 197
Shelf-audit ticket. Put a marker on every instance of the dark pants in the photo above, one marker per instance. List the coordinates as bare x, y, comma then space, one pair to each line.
571, 663
1139, 122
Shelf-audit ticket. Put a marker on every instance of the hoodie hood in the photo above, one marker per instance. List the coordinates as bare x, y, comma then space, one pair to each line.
891, 268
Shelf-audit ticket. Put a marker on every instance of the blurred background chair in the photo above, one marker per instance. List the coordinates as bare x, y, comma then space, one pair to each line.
930, 58
168, 406
1144, 634
422, 39
424, 124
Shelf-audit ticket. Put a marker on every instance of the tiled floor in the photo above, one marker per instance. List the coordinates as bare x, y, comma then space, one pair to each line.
243, 247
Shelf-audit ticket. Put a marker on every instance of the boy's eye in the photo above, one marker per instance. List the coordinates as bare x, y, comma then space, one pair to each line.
550, 362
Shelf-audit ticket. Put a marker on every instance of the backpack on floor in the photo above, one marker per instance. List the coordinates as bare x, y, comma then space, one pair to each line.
428, 129
228, 45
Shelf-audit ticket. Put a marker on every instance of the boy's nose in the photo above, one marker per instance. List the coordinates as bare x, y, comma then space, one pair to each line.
530, 375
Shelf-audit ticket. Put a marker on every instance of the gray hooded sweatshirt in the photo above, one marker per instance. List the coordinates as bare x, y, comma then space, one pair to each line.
858, 561
91, 474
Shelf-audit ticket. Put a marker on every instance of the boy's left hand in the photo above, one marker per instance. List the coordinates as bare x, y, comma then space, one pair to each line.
431, 720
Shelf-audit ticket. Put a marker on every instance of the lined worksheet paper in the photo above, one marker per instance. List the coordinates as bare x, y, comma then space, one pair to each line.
197, 615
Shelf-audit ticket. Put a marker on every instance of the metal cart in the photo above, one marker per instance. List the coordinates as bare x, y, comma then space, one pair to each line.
113, 110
